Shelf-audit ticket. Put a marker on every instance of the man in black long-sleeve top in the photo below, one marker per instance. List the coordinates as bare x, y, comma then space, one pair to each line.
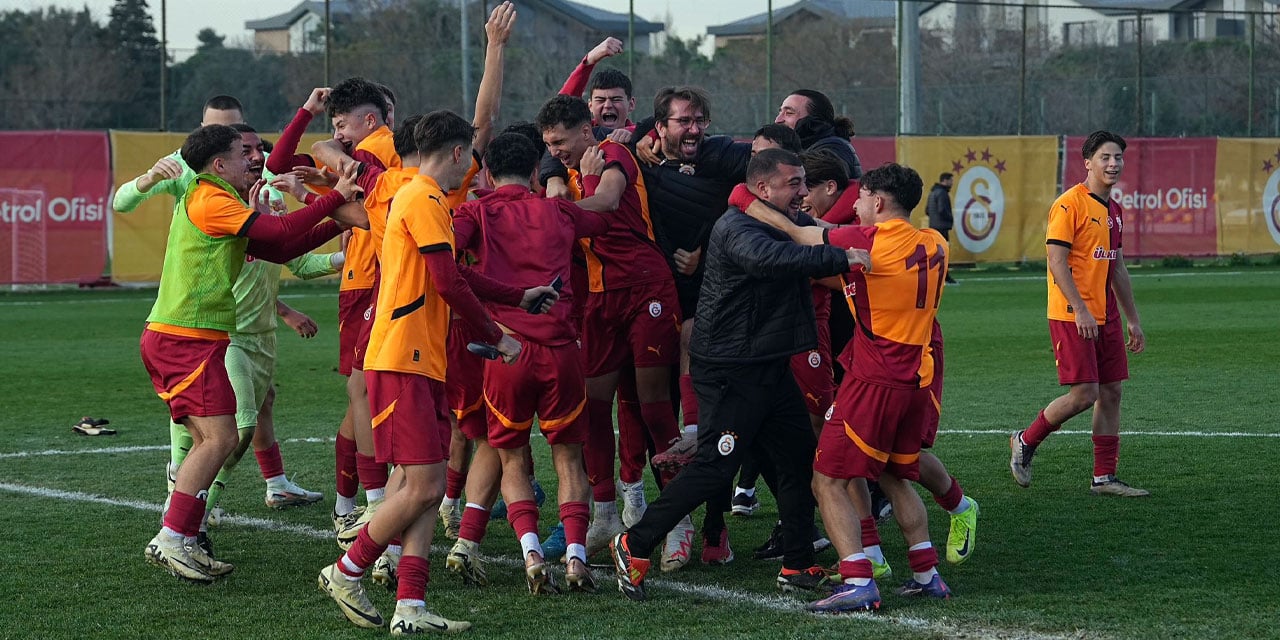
938, 208
754, 311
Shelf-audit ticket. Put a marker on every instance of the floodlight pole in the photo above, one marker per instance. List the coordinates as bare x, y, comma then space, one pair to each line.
1137, 98
768, 59
328, 41
466, 56
631, 39
164, 67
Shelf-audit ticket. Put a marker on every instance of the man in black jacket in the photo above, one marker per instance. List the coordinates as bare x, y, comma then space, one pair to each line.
938, 208
754, 312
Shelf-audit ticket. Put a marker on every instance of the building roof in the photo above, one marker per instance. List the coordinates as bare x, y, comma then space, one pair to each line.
286, 19
828, 9
599, 19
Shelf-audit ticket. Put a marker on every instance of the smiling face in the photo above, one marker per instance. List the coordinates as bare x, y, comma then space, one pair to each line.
568, 145
821, 197
257, 158
1106, 164
792, 110
352, 128
683, 131
611, 107
784, 188
235, 166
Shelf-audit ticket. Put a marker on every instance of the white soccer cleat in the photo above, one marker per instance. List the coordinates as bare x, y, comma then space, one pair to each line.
678, 547
170, 554
350, 596
451, 518
385, 571
601, 531
464, 560
634, 504
347, 535
291, 495
414, 620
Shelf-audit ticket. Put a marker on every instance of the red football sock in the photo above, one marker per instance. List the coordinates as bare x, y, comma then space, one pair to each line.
855, 569
922, 560
413, 575
951, 499
270, 462
1038, 431
185, 514
575, 515
598, 453
688, 400
660, 420
870, 535
523, 516
632, 448
373, 474
454, 481
474, 523
363, 553
1106, 454
344, 451
395, 542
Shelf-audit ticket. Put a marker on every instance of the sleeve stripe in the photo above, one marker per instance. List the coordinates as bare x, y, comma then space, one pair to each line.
439, 246
1060, 243
244, 228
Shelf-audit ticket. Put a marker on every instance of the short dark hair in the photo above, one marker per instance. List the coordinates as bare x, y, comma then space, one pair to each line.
766, 163
697, 97
243, 128
570, 111
781, 134
207, 142
901, 182
353, 93
610, 79
403, 136
821, 109
821, 166
222, 103
511, 155
440, 130
387, 93
946, 175
528, 130
1097, 139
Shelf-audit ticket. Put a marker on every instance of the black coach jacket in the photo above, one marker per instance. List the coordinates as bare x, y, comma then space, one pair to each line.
756, 304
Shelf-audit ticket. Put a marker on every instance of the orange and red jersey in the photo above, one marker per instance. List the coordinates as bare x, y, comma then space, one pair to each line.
361, 271
626, 255
895, 304
1090, 228
412, 321
377, 201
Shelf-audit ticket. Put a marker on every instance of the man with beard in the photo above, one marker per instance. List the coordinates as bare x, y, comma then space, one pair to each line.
814, 118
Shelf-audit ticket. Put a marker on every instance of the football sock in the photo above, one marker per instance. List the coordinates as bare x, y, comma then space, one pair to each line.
1106, 455
740, 491
271, 463
413, 574
454, 482
688, 400
346, 478
475, 520
923, 560
953, 499
1038, 431
855, 569
598, 453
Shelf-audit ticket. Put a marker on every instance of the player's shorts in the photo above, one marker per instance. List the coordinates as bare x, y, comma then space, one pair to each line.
464, 382
251, 366
352, 305
544, 380
1079, 360
813, 372
362, 340
872, 429
410, 418
189, 374
933, 411
638, 325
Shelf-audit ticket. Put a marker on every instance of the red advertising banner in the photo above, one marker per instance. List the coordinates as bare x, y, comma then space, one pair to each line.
54, 197
873, 152
1167, 191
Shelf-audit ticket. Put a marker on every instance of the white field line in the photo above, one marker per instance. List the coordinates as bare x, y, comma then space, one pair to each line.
1183, 274
36, 303
943, 432
712, 592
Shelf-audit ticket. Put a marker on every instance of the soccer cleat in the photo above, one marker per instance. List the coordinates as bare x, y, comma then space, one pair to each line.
170, 477
350, 596
539, 496
717, 551
772, 548
820, 542
451, 518
540, 580
881, 508
414, 620
745, 505
630, 570
291, 495
217, 515
344, 521
678, 547
848, 597
168, 553
385, 571
814, 578
935, 588
205, 544
963, 536
678, 455
1110, 486
555, 545
601, 531
879, 569
206, 562
349, 531
633, 502
1020, 459
464, 560
579, 578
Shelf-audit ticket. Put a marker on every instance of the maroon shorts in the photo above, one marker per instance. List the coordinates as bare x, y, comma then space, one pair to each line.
353, 304
813, 373
638, 325
933, 411
1102, 360
464, 382
189, 374
410, 418
366, 330
872, 429
544, 380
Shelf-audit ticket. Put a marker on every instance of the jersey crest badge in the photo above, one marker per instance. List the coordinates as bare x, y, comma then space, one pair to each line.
655, 308
815, 359
727, 443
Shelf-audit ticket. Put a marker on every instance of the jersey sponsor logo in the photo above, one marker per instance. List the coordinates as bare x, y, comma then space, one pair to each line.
815, 359
727, 443
1271, 201
850, 289
655, 308
979, 198
1100, 253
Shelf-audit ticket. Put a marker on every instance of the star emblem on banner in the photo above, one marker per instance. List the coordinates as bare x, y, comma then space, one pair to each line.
971, 157
1268, 165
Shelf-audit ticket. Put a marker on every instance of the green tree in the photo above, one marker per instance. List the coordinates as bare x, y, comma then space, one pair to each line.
133, 36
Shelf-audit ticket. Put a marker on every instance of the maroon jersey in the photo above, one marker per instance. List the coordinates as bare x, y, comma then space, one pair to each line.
626, 255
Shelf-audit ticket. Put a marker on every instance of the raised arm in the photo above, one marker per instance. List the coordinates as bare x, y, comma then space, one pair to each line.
498, 29
285, 156
169, 175
578, 79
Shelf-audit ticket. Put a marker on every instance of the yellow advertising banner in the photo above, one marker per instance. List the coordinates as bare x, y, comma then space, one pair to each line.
138, 238
1000, 198
1248, 195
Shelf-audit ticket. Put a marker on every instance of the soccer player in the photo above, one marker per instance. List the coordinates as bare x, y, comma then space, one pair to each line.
1087, 278
631, 317
608, 92
528, 240
405, 369
814, 118
185, 342
754, 313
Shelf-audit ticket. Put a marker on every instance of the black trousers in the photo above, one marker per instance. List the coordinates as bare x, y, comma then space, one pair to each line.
741, 408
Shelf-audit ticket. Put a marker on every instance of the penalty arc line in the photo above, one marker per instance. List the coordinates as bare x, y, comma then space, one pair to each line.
773, 603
